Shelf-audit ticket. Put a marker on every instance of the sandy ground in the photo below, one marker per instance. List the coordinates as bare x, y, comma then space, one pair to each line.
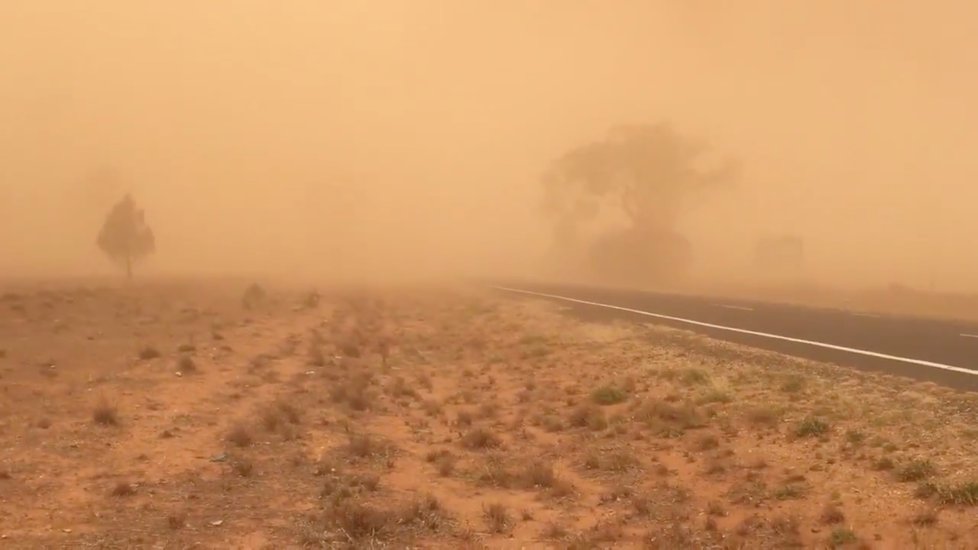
171, 416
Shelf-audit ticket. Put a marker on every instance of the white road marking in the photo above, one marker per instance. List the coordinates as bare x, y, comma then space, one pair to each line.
969, 335
812, 343
741, 308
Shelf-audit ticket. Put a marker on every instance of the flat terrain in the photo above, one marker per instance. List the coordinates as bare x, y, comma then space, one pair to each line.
172, 416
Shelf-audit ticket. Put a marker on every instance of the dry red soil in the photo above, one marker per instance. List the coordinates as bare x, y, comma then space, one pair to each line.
172, 416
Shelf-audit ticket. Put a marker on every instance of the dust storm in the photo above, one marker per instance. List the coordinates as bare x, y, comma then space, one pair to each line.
375, 273
409, 138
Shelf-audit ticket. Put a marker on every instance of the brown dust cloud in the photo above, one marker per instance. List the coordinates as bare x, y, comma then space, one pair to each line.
396, 139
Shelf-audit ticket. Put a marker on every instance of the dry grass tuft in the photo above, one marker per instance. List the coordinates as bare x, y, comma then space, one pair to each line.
123, 489
149, 352
537, 474
240, 436
186, 365
497, 518
176, 520
589, 416
481, 438
105, 413
831, 514
426, 513
358, 521
842, 536
812, 427
608, 395
916, 470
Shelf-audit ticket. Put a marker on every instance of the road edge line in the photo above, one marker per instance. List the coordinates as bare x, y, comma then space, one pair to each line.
768, 335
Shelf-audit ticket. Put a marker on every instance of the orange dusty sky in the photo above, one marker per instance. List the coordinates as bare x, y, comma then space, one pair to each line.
407, 137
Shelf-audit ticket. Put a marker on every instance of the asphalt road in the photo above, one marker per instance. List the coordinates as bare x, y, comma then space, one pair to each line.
941, 351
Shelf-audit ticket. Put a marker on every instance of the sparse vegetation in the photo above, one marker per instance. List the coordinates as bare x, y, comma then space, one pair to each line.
608, 395
842, 536
812, 427
961, 494
915, 470
588, 416
700, 444
831, 514
481, 438
497, 518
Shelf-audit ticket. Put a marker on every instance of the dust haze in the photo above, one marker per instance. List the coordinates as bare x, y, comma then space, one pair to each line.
394, 139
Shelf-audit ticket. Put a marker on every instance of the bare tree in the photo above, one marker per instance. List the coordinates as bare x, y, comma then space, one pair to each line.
125, 238
645, 172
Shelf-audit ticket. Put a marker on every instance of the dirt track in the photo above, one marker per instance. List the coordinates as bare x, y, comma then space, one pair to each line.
166, 416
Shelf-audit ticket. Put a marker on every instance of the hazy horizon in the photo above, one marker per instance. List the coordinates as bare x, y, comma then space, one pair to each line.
407, 138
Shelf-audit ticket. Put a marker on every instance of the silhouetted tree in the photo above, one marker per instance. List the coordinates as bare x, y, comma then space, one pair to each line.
125, 237
646, 172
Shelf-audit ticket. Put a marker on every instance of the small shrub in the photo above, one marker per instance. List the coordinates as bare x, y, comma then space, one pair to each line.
350, 349
831, 514
916, 470
707, 442
176, 521
358, 521
884, 464
497, 517
608, 395
764, 415
670, 419
590, 416
315, 357
619, 461
714, 395
855, 437
425, 512
694, 377
962, 494
446, 465
551, 423
242, 466
431, 407
793, 383
148, 353
789, 491
555, 531
123, 489
925, 518
716, 509
240, 436
289, 411
463, 419
488, 410
105, 413
481, 438
364, 446
925, 490
495, 473
842, 536
187, 365
812, 427
537, 475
